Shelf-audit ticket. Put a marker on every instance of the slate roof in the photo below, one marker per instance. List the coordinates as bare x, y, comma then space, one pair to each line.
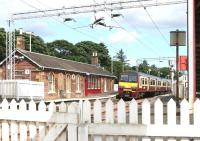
51, 62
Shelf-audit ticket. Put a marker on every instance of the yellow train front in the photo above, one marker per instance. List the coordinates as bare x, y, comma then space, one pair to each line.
137, 84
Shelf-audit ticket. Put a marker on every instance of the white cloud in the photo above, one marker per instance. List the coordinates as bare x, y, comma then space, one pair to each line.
164, 16
40, 28
122, 37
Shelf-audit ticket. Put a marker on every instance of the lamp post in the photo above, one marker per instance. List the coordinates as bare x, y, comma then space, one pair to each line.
177, 38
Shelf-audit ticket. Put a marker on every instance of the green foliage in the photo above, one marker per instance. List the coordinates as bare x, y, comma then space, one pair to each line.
121, 56
144, 67
164, 72
86, 48
2, 44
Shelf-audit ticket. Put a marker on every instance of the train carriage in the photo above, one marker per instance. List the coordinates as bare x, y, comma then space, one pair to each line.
138, 84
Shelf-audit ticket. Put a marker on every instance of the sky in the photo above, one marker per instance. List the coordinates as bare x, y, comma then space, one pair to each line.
140, 33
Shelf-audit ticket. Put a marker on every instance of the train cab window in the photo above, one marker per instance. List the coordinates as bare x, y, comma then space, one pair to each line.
164, 83
132, 78
124, 78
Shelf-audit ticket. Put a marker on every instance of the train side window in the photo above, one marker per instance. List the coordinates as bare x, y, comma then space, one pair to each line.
145, 81
142, 81
151, 83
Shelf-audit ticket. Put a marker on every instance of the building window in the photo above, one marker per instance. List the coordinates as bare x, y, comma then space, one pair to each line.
78, 83
68, 83
51, 83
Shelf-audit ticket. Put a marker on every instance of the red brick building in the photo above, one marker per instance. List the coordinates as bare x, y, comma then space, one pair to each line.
62, 78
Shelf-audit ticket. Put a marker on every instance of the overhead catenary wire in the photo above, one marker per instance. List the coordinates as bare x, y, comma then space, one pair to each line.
135, 28
121, 27
90, 36
155, 25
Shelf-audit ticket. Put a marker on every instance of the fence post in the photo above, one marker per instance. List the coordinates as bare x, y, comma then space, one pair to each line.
109, 116
171, 114
158, 115
97, 116
5, 125
133, 115
63, 136
32, 125
72, 128
146, 115
22, 125
184, 115
42, 107
121, 116
13, 126
86, 112
83, 132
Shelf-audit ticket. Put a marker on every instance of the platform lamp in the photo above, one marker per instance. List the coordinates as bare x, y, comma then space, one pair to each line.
177, 38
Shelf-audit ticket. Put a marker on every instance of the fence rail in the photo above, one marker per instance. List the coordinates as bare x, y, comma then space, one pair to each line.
85, 120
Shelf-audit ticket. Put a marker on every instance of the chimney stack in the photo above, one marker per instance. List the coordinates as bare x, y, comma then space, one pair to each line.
20, 43
95, 59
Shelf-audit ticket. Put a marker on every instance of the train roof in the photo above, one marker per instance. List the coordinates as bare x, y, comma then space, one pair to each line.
145, 75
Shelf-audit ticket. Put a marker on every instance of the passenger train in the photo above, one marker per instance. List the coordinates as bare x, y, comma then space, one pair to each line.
138, 84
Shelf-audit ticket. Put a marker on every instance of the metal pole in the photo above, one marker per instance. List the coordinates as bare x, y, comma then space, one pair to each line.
177, 70
112, 65
30, 42
187, 51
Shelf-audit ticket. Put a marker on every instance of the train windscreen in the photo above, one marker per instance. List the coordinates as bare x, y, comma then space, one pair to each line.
128, 78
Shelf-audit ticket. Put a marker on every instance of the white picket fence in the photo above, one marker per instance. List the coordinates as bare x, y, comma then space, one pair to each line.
98, 121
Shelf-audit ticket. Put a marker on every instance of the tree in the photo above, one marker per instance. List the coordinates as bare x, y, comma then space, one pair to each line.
88, 47
144, 67
37, 43
121, 56
62, 49
153, 70
2, 44
164, 72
